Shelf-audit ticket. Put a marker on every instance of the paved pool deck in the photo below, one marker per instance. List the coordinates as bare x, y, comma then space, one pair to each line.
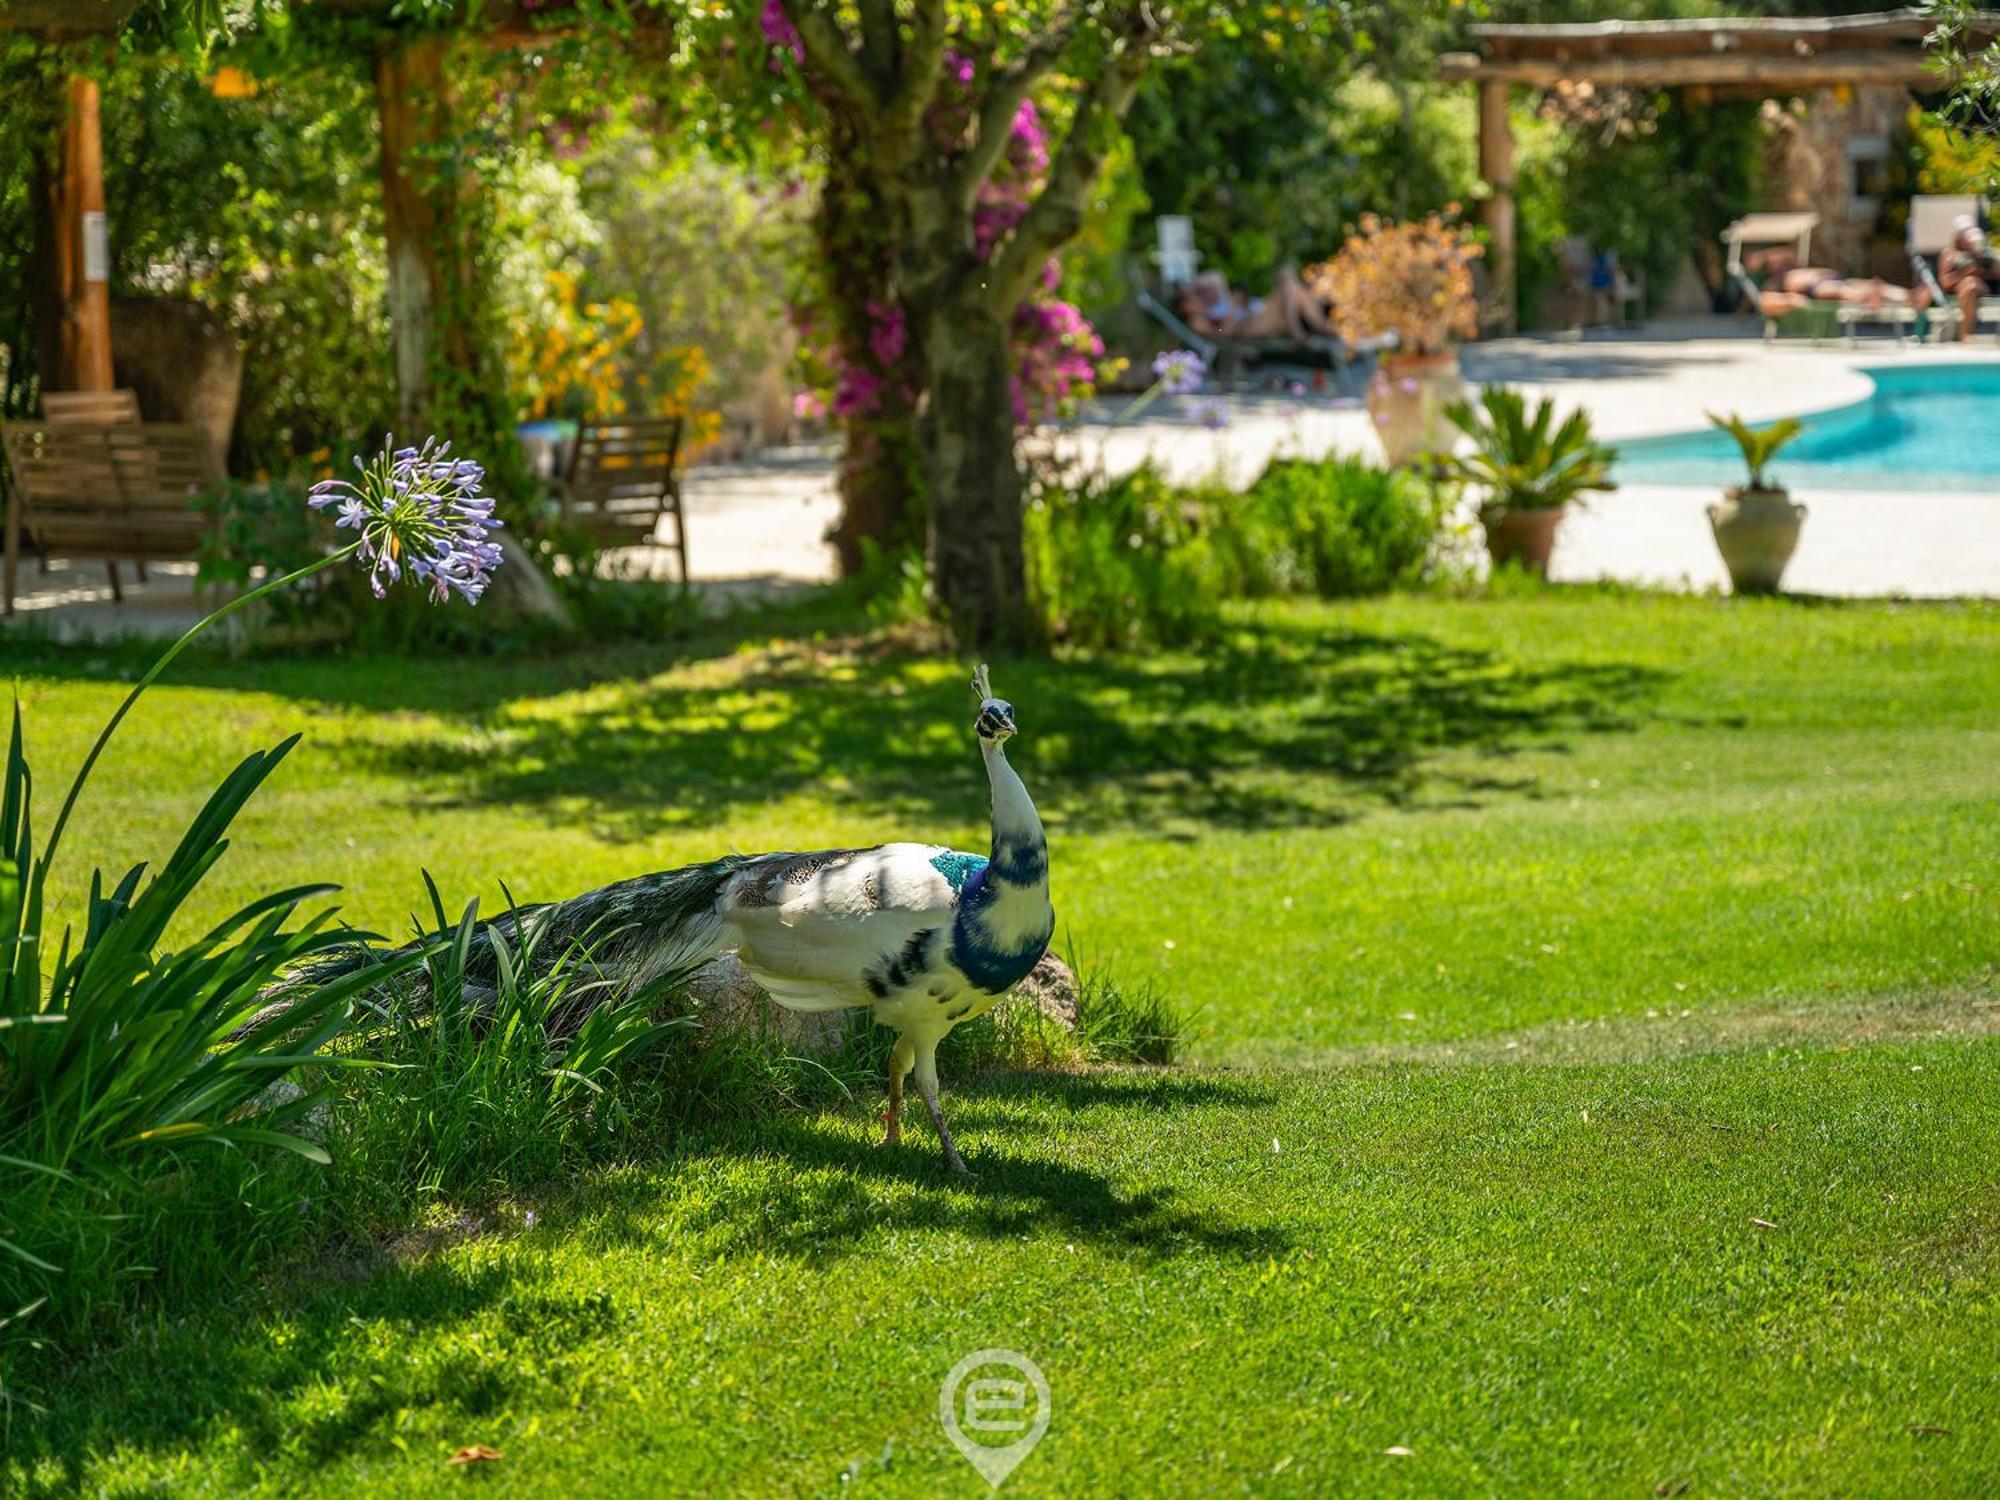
1914, 543
759, 525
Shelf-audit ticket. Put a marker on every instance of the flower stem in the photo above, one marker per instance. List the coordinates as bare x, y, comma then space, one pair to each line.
166, 659
1140, 402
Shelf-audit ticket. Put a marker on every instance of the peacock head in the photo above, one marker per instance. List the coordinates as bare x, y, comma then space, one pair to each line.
995, 723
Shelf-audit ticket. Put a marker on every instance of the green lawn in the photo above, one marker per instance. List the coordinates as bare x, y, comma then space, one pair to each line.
1542, 947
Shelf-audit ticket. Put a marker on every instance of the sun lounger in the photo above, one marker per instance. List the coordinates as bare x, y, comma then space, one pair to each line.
1235, 361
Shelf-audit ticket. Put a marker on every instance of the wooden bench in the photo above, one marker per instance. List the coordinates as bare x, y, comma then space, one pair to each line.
622, 478
98, 408
104, 491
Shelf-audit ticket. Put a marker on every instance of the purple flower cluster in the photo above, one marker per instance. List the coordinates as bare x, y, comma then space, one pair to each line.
780, 34
1210, 412
1180, 372
1056, 353
417, 511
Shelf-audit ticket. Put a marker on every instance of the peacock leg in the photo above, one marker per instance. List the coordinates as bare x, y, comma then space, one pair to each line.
900, 1062
927, 1086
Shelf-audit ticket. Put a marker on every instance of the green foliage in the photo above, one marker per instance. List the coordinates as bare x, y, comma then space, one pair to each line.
266, 210
123, 1062
1336, 527
1635, 174
1233, 133
495, 1063
1118, 562
1140, 559
1523, 462
708, 252
1759, 445
1135, 1021
1948, 158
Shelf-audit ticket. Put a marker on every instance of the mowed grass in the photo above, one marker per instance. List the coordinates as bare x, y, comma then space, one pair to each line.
1594, 1088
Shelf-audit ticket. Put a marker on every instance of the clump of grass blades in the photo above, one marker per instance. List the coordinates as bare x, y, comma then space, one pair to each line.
497, 1063
1121, 1022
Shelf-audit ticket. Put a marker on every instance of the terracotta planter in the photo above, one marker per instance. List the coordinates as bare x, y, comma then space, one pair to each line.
1407, 402
1757, 531
1526, 537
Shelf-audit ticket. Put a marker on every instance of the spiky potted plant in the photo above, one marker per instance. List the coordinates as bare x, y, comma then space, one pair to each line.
1531, 469
1757, 524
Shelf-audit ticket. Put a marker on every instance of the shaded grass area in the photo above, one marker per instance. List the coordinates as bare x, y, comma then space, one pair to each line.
1753, 1272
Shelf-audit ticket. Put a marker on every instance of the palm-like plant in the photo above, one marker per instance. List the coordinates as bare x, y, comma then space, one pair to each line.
1527, 462
1759, 444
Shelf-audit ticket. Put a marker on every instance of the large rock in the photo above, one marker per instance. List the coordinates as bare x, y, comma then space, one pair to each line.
519, 588
731, 1001
183, 363
1051, 987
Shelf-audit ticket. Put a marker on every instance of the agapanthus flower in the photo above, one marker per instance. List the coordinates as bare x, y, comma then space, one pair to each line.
1179, 371
1210, 413
417, 511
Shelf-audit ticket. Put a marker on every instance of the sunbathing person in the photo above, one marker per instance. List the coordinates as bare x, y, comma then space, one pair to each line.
1824, 285
1968, 271
1210, 307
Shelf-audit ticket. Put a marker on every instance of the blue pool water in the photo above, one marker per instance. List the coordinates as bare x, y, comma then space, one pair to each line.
1932, 427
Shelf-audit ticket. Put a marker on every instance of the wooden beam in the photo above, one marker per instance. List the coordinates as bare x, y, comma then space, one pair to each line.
1496, 167
1906, 67
82, 245
59, 20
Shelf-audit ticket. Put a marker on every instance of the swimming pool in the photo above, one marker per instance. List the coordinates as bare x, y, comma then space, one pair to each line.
1933, 427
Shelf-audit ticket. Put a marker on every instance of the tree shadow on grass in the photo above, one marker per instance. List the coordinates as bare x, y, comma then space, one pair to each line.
1273, 726
792, 1186
190, 1377
1280, 720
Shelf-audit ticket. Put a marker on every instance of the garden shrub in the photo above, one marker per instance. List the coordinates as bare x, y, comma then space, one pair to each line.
1119, 562
1139, 559
1335, 527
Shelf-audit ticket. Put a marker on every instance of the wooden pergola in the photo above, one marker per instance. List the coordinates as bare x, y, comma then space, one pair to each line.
1706, 59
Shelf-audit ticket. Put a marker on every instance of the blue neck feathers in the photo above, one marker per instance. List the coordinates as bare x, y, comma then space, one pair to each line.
1004, 918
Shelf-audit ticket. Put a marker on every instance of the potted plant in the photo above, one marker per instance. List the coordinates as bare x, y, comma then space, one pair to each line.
1530, 468
1412, 280
1757, 524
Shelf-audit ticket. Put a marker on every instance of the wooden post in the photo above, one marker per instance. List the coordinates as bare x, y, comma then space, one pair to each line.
82, 246
1496, 166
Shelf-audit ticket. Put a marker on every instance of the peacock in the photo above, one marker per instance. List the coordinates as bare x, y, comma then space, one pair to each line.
926, 936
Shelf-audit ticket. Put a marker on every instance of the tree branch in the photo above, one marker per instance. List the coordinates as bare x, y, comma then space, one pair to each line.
1057, 212
880, 43
1003, 102
922, 65
828, 54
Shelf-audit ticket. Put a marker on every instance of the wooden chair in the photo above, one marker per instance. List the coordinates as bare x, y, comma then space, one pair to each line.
103, 491
622, 478
98, 407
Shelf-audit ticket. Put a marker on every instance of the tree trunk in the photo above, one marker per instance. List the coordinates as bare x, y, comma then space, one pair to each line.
450, 377
975, 482
881, 470
880, 477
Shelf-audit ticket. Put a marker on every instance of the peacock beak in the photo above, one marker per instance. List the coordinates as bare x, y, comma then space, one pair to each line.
996, 720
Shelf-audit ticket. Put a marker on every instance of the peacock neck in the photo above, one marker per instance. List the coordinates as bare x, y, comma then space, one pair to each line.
1020, 849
